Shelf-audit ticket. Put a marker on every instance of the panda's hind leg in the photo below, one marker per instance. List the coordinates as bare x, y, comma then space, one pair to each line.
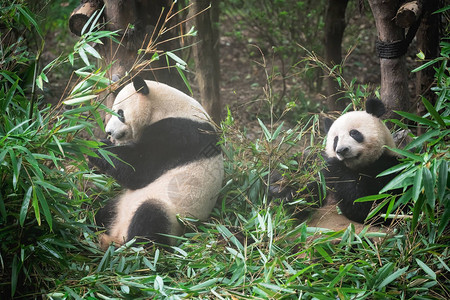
149, 223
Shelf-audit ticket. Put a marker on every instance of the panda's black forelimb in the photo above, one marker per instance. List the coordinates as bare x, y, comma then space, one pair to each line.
349, 185
164, 145
149, 223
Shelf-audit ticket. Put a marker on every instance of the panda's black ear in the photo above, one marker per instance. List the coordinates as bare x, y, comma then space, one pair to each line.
140, 86
327, 124
375, 107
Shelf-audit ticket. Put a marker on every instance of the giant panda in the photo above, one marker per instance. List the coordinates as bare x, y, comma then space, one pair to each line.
355, 155
167, 160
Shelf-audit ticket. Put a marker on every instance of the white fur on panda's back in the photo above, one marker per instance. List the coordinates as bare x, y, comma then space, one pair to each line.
166, 102
187, 107
189, 190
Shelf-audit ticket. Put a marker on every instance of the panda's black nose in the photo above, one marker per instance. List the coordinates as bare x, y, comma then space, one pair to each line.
342, 150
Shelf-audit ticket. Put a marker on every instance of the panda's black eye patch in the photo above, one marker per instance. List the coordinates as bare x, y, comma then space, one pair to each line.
356, 135
335, 143
121, 116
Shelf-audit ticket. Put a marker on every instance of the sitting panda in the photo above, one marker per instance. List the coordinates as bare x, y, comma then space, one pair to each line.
167, 159
356, 155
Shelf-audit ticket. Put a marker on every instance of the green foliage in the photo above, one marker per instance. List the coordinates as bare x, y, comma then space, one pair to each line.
42, 164
425, 176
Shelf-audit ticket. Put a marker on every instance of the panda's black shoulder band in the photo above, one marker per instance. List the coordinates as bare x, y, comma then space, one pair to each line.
375, 107
140, 86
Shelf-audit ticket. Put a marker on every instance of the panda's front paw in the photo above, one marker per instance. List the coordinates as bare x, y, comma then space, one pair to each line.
106, 142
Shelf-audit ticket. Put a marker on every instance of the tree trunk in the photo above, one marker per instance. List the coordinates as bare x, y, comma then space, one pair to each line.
334, 30
394, 76
428, 43
138, 23
206, 55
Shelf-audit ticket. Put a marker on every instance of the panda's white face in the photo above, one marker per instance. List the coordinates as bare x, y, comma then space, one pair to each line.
133, 112
357, 138
136, 110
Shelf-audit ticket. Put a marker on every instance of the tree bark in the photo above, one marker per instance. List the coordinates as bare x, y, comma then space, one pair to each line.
81, 15
334, 31
428, 42
394, 76
408, 13
206, 55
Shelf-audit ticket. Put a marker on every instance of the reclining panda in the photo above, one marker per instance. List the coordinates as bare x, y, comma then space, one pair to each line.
167, 159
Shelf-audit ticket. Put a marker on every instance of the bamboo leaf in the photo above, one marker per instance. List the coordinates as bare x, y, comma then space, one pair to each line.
25, 205
14, 165
51, 187
277, 131
399, 181
444, 220
46, 211
417, 186
377, 209
35, 204
265, 130
304, 270
341, 274
372, 197
425, 65
27, 14
407, 154
15, 269
429, 187
426, 269
79, 100
417, 211
186, 82
392, 277
105, 154
323, 253
72, 128
395, 169
442, 180
89, 49
417, 119
176, 58
420, 140
433, 112
83, 56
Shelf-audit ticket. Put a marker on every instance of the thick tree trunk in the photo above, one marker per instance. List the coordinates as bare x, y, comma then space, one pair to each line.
334, 31
394, 76
206, 55
428, 43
